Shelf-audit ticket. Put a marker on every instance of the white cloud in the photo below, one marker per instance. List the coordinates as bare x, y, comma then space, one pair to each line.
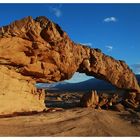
109, 48
136, 68
56, 11
110, 19
86, 44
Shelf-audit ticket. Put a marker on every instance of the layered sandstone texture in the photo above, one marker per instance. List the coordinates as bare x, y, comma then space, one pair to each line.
38, 50
17, 93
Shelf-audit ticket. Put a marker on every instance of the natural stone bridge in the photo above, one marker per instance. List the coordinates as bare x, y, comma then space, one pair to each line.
38, 50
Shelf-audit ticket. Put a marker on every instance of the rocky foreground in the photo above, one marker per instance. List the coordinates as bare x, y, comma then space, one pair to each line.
73, 122
65, 118
38, 50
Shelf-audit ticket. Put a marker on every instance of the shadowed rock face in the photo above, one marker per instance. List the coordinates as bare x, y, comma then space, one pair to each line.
38, 50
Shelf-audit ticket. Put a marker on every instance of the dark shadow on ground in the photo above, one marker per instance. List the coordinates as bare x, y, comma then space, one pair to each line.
15, 114
62, 104
132, 116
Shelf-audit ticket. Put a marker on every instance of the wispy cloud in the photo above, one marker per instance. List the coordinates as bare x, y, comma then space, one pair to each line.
110, 19
86, 44
109, 48
56, 11
136, 68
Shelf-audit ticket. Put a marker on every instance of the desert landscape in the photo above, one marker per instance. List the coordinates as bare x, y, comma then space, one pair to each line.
37, 50
65, 118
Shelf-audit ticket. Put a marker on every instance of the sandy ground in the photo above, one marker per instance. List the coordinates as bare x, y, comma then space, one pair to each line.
73, 121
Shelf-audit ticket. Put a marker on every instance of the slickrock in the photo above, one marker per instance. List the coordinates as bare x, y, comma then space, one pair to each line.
38, 50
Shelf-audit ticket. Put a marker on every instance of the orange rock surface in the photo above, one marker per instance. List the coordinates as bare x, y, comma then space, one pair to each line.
38, 50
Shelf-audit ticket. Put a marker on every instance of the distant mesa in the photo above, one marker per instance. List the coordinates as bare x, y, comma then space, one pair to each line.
38, 50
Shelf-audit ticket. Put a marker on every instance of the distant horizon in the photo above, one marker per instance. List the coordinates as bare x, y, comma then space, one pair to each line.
113, 28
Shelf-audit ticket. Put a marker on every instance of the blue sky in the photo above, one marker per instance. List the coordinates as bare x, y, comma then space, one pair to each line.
114, 28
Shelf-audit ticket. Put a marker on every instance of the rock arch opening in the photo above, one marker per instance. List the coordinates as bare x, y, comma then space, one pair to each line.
68, 93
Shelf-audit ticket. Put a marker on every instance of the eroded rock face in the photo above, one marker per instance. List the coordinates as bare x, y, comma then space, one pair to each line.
90, 99
38, 50
18, 94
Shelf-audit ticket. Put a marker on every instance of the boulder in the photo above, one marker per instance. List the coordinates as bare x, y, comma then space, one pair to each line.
114, 99
129, 104
119, 107
38, 50
90, 99
103, 101
131, 100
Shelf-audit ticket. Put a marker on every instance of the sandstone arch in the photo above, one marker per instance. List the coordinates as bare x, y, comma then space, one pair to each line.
38, 50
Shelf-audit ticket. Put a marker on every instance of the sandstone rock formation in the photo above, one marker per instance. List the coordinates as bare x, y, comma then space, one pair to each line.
18, 94
38, 50
90, 99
